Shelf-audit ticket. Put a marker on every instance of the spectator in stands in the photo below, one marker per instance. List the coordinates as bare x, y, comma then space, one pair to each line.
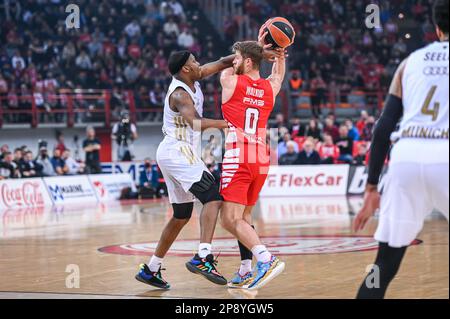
308, 156
92, 147
345, 145
367, 132
73, 167
83, 61
3, 86
282, 146
318, 90
17, 61
295, 84
8, 168
131, 73
331, 129
186, 39
313, 130
60, 143
171, 28
176, 8
18, 157
360, 159
30, 167
3, 150
352, 131
44, 160
279, 121
297, 129
149, 179
291, 156
133, 29
362, 121
329, 153
58, 163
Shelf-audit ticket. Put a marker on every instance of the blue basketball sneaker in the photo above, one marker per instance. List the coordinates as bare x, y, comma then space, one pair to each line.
265, 272
241, 281
151, 278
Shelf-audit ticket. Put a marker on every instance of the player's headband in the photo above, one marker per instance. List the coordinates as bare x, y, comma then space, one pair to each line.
177, 60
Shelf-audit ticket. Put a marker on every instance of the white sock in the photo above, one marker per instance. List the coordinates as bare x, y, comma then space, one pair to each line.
261, 253
155, 263
246, 267
204, 250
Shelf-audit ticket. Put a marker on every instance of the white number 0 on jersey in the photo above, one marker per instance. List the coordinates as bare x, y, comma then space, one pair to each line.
251, 120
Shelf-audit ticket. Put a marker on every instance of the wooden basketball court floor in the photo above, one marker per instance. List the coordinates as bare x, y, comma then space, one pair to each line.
42, 249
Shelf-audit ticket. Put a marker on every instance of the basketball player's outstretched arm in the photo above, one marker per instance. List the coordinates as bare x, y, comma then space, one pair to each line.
381, 142
181, 101
217, 66
278, 72
227, 62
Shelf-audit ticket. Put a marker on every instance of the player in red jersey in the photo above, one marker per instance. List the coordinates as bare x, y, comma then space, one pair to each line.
247, 101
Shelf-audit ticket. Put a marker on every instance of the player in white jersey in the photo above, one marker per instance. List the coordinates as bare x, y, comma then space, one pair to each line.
186, 176
417, 181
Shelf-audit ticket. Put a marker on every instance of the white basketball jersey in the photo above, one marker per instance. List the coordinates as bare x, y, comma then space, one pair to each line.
174, 125
425, 94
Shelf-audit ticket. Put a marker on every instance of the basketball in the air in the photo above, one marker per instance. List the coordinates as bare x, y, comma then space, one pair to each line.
280, 34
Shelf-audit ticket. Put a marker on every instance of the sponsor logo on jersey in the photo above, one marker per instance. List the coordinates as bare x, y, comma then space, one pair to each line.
253, 102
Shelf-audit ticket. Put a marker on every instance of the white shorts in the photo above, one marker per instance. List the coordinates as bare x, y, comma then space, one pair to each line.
181, 168
411, 192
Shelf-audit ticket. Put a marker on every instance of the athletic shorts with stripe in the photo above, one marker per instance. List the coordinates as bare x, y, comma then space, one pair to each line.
244, 173
181, 168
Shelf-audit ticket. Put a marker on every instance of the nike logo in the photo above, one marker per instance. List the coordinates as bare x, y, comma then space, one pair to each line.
265, 251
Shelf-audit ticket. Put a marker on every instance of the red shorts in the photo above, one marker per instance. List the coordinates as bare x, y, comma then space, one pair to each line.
243, 177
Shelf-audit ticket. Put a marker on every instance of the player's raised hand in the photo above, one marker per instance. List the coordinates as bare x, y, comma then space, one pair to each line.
371, 204
262, 35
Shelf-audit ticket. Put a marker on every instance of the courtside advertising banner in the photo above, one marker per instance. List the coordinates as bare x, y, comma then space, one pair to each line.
70, 189
23, 193
109, 187
306, 180
132, 168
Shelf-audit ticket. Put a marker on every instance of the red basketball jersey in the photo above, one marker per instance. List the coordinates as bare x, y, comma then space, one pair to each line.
249, 109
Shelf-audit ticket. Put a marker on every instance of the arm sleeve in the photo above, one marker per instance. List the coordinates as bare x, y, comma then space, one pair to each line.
381, 140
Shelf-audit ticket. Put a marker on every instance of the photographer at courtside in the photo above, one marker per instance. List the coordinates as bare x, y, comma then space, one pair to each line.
124, 133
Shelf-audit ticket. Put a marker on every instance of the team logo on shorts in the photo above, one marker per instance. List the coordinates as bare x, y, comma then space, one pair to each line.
280, 246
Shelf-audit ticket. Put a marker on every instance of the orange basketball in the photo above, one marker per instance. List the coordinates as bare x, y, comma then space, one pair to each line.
281, 34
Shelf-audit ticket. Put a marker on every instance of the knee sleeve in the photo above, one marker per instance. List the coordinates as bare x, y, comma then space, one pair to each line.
182, 211
207, 189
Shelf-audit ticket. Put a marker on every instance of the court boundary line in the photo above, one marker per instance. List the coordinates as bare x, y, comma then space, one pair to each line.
92, 294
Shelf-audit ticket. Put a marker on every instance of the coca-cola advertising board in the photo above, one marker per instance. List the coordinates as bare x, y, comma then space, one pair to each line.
23, 193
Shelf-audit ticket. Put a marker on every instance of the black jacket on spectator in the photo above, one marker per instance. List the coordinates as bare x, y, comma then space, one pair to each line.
305, 159
345, 145
92, 158
314, 133
7, 170
31, 166
300, 129
288, 159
